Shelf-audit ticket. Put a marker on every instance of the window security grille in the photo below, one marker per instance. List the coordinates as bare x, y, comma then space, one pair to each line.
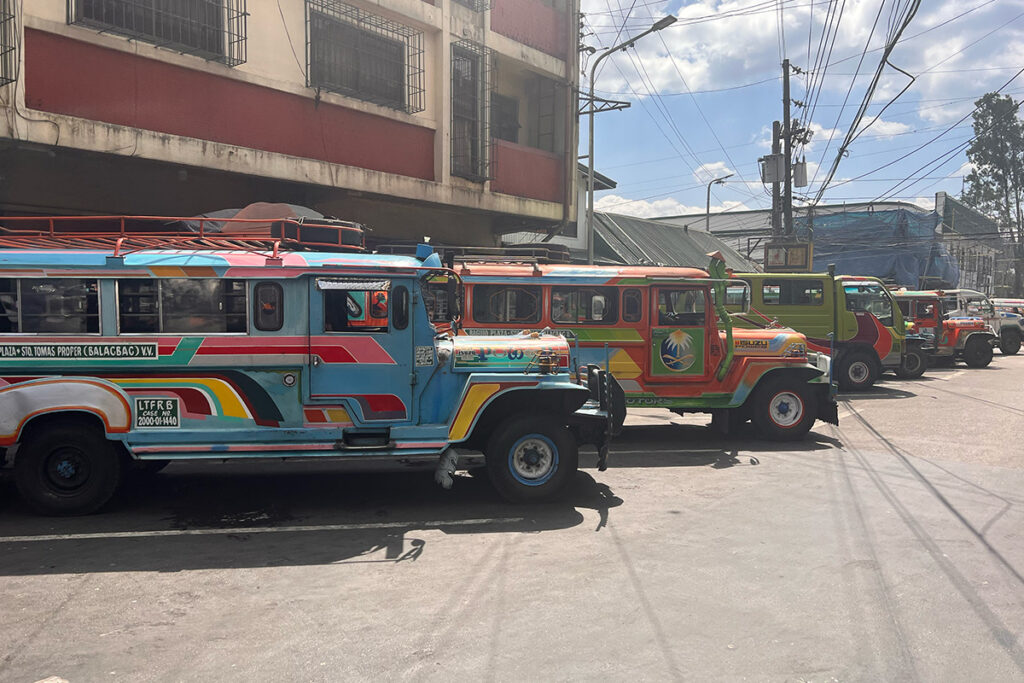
361, 55
471, 97
8, 44
477, 5
212, 29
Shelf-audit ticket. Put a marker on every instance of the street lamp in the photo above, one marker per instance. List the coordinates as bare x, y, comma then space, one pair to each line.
707, 216
658, 25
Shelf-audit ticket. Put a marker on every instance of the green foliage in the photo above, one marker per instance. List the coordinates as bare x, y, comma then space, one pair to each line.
996, 183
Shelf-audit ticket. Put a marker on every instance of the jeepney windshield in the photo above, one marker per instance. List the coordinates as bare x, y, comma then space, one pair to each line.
870, 297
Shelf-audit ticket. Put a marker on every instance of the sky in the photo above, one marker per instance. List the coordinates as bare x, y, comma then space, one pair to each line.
704, 93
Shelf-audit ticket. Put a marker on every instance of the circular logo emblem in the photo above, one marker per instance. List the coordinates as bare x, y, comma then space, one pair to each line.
677, 351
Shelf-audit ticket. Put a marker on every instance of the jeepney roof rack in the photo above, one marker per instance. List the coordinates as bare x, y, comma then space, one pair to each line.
527, 253
126, 234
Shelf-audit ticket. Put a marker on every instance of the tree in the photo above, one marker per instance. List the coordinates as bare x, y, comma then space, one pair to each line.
996, 184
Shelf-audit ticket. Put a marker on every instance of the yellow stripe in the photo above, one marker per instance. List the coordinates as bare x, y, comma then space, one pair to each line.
167, 271
338, 415
475, 397
230, 404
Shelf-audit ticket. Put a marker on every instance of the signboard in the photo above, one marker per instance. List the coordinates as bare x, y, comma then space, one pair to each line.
79, 351
157, 413
788, 257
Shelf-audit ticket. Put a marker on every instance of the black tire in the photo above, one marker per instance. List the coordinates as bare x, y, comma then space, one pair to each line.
915, 362
531, 458
783, 409
1009, 342
67, 469
977, 352
858, 370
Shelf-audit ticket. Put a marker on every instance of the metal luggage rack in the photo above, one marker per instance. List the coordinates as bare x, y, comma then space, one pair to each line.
126, 234
456, 254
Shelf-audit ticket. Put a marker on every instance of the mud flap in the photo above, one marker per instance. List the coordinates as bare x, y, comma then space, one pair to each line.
444, 474
828, 410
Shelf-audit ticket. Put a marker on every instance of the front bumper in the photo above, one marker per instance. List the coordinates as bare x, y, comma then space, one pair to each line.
600, 419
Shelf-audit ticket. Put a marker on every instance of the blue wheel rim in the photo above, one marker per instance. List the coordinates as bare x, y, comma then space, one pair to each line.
533, 460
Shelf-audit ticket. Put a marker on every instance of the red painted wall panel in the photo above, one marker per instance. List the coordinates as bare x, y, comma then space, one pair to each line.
527, 172
532, 23
66, 76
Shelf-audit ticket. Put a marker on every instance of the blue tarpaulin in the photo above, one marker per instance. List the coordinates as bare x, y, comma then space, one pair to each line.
898, 246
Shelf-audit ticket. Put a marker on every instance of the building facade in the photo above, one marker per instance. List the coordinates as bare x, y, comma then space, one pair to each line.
448, 118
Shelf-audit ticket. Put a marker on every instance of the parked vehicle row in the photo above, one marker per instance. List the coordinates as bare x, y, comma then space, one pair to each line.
125, 346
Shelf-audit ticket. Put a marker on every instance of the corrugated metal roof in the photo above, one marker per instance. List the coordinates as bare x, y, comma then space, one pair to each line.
631, 240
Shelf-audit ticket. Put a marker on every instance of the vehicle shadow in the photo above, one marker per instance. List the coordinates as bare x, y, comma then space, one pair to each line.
698, 446
879, 391
191, 517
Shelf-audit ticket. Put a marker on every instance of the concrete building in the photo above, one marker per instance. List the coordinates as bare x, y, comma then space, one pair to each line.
448, 118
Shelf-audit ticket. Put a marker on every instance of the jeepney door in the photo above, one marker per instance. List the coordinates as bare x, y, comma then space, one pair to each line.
360, 347
679, 342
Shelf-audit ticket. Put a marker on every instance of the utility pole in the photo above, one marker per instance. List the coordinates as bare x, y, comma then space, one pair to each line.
776, 199
787, 137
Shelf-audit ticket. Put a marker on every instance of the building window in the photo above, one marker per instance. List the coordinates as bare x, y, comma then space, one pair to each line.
361, 55
8, 44
504, 118
213, 29
470, 99
476, 5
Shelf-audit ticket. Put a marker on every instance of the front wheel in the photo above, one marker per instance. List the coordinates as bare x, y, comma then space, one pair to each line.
977, 352
783, 410
914, 363
68, 469
531, 458
858, 370
1009, 342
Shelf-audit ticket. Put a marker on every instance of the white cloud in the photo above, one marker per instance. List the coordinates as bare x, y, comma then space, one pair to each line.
886, 130
642, 208
705, 173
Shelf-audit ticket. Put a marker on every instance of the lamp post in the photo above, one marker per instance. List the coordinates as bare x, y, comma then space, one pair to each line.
707, 215
658, 25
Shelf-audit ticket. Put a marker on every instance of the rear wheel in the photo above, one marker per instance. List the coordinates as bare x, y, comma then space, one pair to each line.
67, 469
858, 370
531, 458
783, 410
915, 362
977, 352
1009, 342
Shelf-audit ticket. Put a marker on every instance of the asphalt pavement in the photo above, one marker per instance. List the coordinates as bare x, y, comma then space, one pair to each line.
889, 548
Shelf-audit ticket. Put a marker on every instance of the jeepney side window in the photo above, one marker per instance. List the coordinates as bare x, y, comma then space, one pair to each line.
9, 305
355, 310
681, 307
794, 292
268, 306
632, 305
400, 308
60, 306
506, 304
182, 306
578, 306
